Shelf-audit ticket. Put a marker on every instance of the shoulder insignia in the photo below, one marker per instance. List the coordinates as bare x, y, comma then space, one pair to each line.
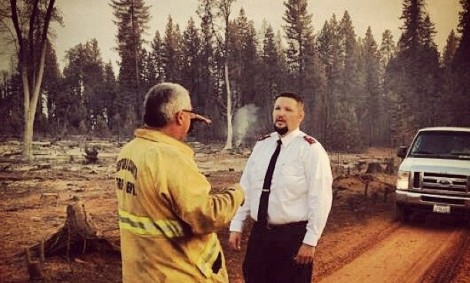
309, 139
263, 137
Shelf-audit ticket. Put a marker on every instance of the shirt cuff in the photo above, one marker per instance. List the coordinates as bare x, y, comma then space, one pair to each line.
310, 239
236, 226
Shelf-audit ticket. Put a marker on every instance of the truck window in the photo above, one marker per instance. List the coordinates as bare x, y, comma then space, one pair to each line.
437, 144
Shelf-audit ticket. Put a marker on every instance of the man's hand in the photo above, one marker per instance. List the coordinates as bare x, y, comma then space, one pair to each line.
305, 254
235, 240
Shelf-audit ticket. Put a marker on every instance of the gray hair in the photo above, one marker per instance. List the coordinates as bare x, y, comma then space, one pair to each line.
163, 101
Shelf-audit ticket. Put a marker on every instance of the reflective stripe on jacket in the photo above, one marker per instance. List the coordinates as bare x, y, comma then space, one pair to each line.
146, 226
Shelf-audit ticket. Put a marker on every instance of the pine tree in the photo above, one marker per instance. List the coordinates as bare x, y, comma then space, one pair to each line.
413, 75
172, 52
271, 60
462, 55
83, 101
50, 88
387, 50
461, 69
431, 80
208, 71
387, 53
450, 49
249, 59
155, 67
372, 118
132, 17
349, 62
191, 50
328, 46
449, 90
304, 64
271, 76
11, 110
299, 34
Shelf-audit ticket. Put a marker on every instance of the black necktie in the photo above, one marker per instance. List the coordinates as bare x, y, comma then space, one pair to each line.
263, 202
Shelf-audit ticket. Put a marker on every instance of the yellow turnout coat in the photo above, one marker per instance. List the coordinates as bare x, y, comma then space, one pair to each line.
167, 216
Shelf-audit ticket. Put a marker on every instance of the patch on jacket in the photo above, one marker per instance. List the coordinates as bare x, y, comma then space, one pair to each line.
309, 139
263, 137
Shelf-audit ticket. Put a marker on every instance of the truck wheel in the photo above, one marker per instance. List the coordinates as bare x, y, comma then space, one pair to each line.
402, 214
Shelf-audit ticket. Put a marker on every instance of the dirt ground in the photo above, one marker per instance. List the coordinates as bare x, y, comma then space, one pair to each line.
361, 242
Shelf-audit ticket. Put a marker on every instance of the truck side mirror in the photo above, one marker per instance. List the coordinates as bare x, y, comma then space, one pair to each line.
401, 151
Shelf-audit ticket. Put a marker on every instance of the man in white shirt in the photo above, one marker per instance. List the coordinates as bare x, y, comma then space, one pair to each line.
288, 194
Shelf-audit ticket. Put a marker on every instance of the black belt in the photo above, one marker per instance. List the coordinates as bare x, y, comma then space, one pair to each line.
283, 226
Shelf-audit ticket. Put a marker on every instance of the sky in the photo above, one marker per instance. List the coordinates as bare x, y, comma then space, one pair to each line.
88, 19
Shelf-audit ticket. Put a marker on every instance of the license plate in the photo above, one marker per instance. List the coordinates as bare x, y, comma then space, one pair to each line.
439, 208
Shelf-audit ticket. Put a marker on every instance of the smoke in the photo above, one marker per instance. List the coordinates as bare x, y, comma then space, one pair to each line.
244, 122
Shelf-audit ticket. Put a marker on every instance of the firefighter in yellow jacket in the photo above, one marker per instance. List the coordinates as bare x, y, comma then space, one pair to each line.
168, 217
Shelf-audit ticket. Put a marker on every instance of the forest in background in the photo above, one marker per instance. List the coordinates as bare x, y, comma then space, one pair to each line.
359, 91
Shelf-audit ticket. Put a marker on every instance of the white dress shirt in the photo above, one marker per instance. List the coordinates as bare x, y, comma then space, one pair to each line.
301, 188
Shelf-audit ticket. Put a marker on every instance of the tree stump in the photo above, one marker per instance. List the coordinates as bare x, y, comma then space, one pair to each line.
91, 154
374, 167
78, 236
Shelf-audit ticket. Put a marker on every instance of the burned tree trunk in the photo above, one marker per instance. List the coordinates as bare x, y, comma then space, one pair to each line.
77, 236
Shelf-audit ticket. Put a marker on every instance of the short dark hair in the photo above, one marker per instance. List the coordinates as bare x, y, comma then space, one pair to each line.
292, 95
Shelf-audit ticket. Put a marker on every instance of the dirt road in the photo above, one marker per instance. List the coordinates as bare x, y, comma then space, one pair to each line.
410, 253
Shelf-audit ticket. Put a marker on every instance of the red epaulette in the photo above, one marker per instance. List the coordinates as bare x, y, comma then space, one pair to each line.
309, 139
263, 137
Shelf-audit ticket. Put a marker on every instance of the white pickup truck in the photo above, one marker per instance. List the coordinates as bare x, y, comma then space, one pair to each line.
434, 175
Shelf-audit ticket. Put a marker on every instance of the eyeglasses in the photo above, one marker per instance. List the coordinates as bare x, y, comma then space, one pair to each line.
193, 114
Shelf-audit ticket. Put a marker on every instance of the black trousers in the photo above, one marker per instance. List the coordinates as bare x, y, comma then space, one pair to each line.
270, 255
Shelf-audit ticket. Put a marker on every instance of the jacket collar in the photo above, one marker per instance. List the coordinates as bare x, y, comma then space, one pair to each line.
158, 136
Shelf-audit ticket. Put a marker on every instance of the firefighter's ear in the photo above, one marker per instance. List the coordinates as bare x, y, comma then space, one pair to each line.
179, 117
